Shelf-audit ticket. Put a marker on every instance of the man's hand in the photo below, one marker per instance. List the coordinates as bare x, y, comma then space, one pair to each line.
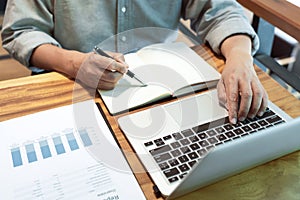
239, 88
100, 72
93, 70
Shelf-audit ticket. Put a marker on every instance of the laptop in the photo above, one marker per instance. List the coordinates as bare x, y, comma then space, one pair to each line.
188, 144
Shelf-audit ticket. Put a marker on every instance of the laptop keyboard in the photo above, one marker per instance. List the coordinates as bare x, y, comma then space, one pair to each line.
176, 153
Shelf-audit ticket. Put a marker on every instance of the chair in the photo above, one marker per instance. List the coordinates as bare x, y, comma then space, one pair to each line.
291, 74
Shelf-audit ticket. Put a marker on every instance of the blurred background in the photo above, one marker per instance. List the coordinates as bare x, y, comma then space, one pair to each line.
284, 51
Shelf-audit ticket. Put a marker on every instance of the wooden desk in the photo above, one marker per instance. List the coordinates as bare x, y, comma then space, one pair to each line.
280, 13
279, 179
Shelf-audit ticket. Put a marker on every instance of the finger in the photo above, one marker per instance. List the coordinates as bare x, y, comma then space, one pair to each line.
119, 57
117, 66
109, 76
245, 100
222, 94
108, 63
232, 99
256, 100
104, 85
264, 104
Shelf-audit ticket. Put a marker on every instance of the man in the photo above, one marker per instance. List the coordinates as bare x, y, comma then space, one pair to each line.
58, 35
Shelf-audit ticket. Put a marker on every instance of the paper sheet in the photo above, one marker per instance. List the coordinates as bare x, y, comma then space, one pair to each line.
51, 155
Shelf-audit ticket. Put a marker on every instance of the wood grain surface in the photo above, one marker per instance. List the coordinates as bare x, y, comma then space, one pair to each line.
280, 13
279, 179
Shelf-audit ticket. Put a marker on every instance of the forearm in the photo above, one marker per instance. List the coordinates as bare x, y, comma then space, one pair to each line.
235, 46
50, 57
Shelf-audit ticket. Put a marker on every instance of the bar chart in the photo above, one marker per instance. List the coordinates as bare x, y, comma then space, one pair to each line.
55, 145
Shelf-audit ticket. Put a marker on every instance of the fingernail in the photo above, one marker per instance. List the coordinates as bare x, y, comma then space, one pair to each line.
260, 114
233, 120
226, 106
242, 119
251, 116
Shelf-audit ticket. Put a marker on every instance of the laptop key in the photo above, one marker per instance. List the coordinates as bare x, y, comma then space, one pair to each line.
229, 134
202, 152
187, 132
194, 146
147, 144
200, 128
254, 125
167, 137
194, 138
185, 149
212, 140
279, 122
177, 136
202, 135
184, 168
221, 137
228, 127
173, 179
192, 163
173, 162
162, 157
181, 176
211, 132
183, 159
239, 124
203, 143
159, 142
171, 172
210, 147
160, 150
164, 166
175, 145
184, 141
220, 130
245, 134
268, 113
273, 119
176, 153
193, 155
246, 128
263, 123
238, 131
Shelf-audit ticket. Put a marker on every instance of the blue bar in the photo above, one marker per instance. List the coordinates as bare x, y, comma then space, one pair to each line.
72, 141
60, 149
16, 157
31, 155
46, 153
85, 138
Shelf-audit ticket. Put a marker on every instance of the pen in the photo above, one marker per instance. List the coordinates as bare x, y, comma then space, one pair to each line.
129, 73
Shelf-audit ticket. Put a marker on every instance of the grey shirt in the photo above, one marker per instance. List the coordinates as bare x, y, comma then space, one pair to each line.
82, 24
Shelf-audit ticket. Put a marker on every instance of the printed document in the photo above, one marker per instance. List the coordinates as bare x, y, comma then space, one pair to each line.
63, 153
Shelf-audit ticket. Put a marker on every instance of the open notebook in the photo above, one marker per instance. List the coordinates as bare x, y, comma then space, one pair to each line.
168, 69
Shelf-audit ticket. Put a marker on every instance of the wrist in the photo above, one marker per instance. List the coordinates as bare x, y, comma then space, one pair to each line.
72, 62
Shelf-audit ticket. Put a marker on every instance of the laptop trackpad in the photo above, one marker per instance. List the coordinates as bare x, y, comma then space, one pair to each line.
196, 110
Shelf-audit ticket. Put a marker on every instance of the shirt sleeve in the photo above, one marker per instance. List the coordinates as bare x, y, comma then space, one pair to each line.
27, 25
215, 20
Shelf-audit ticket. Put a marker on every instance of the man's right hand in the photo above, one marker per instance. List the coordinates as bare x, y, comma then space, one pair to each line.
91, 69
100, 72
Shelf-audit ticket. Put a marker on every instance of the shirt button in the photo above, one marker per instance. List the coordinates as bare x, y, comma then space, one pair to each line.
123, 9
123, 38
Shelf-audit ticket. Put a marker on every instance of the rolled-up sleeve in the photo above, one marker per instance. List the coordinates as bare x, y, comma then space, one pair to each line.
216, 20
26, 27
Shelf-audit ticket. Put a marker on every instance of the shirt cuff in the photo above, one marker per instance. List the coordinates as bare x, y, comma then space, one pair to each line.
25, 44
233, 27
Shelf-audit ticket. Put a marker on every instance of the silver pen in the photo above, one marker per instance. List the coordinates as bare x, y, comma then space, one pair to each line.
129, 73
